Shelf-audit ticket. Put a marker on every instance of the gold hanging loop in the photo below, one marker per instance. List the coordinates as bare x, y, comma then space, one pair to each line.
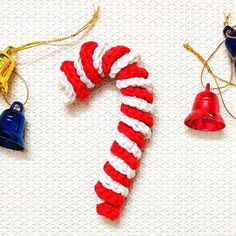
226, 23
26, 87
13, 50
209, 70
227, 33
227, 16
206, 65
7, 62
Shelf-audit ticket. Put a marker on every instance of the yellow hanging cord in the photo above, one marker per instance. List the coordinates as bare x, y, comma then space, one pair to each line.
26, 87
206, 65
12, 50
226, 23
227, 16
209, 70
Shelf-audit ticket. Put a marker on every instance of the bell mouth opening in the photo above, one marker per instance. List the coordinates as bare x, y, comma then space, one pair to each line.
10, 144
207, 123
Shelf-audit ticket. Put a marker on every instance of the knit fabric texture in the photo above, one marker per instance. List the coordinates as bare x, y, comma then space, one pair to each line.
185, 184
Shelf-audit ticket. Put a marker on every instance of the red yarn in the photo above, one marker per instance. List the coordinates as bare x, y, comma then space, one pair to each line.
133, 135
86, 56
95, 62
116, 175
138, 92
135, 113
111, 56
132, 70
80, 88
123, 154
108, 211
109, 196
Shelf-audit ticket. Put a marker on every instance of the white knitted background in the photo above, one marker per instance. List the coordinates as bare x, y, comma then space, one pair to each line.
186, 184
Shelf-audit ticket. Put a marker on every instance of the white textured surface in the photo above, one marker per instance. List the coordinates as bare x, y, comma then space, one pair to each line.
186, 184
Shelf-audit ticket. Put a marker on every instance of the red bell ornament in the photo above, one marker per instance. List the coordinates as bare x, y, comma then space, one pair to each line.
205, 113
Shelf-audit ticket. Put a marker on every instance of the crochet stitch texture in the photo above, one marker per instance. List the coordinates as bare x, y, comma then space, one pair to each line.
94, 63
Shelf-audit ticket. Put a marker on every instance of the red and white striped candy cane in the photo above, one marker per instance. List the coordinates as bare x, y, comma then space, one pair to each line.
94, 63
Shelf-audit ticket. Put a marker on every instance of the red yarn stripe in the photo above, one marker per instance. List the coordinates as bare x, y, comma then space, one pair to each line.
116, 175
86, 56
133, 135
123, 154
138, 92
132, 70
108, 211
111, 56
135, 113
108, 195
80, 88
113, 202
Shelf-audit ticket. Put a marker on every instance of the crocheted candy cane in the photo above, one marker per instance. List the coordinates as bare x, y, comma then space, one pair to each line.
94, 63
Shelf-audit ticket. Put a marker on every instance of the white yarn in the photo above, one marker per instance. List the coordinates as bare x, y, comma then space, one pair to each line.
97, 57
80, 71
122, 62
98, 200
138, 103
128, 144
117, 163
69, 94
137, 125
111, 184
135, 81
121, 166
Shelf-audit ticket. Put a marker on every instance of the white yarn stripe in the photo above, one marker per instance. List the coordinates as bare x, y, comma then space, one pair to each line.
69, 95
135, 81
138, 103
121, 166
80, 71
111, 184
128, 144
122, 62
98, 200
137, 125
97, 57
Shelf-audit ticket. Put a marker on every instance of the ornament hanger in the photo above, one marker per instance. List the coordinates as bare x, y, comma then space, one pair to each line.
26, 88
206, 66
7, 62
12, 120
12, 50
